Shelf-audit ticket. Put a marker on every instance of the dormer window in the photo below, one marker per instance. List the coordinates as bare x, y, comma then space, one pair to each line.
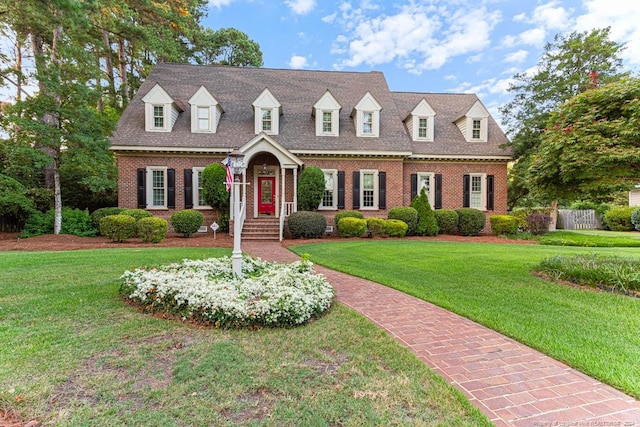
158, 116
420, 123
367, 117
205, 112
161, 111
327, 122
266, 121
327, 112
475, 124
476, 127
267, 112
423, 127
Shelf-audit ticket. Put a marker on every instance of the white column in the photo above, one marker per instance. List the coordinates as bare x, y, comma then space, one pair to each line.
236, 254
295, 189
283, 199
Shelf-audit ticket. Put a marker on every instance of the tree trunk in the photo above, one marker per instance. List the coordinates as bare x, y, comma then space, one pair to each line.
109, 68
554, 215
124, 81
57, 195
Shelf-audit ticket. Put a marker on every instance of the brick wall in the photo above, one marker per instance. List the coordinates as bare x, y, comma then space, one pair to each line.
398, 185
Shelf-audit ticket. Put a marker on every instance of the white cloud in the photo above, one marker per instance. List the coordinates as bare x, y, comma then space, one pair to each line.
298, 62
622, 17
301, 7
533, 37
220, 3
516, 57
329, 18
419, 37
546, 18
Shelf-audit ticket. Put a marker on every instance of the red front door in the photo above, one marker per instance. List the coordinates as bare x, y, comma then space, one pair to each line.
266, 195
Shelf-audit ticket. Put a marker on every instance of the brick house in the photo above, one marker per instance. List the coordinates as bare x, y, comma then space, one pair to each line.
376, 147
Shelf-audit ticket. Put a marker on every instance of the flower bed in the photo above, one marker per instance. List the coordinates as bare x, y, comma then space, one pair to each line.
269, 294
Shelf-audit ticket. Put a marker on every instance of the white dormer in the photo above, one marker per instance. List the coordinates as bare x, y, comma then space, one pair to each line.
160, 111
474, 125
267, 111
420, 122
327, 114
205, 112
366, 116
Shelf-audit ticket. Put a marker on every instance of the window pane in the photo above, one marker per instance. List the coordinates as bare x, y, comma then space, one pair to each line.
368, 190
203, 118
326, 122
476, 192
367, 122
157, 184
327, 198
266, 120
476, 129
425, 182
422, 128
158, 116
201, 201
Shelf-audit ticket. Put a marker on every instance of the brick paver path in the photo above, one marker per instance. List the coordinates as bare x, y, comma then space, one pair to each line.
511, 383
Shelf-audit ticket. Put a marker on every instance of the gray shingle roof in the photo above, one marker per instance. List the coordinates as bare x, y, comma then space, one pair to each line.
297, 91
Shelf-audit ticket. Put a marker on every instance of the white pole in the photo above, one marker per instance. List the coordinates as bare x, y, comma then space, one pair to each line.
236, 254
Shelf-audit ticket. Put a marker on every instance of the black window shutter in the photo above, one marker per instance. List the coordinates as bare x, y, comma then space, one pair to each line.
414, 185
171, 188
356, 190
438, 198
340, 189
382, 190
188, 189
142, 190
466, 191
490, 192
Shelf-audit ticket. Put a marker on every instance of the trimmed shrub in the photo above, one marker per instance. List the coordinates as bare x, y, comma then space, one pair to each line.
538, 223
137, 214
186, 222
310, 188
427, 224
470, 221
352, 227
619, 219
406, 214
395, 228
307, 225
447, 220
118, 228
98, 214
152, 229
214, 187
347, 214
635, 218
377, 227
503, 224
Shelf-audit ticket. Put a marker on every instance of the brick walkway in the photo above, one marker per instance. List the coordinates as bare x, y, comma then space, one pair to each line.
511, 383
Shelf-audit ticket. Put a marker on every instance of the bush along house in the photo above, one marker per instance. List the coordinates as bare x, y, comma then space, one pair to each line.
377, 148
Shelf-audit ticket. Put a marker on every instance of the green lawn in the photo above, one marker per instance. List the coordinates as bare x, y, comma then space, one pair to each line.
595, 332
591, 238
72, 353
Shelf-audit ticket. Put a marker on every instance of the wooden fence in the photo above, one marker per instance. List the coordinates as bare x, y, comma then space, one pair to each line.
572, 219
9, 224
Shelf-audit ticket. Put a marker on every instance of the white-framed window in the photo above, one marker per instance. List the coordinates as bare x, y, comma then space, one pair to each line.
156, 187
423, 127
158, 116
204, 118
477, 191
367, 122
369, 189
426, 180
330, 196
327, 122
198, 197
266, 120
476, 128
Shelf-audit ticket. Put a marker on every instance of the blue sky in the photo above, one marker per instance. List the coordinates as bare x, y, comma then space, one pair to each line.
424, 45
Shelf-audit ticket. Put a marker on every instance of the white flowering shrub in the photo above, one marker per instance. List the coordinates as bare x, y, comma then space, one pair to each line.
269, 294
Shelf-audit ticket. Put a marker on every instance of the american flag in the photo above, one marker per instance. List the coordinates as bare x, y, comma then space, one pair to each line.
229, 180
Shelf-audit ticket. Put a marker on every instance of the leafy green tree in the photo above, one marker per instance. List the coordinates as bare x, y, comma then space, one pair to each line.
310, 188
427, 222
591, 148
570, 65
214, 188
227, 46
